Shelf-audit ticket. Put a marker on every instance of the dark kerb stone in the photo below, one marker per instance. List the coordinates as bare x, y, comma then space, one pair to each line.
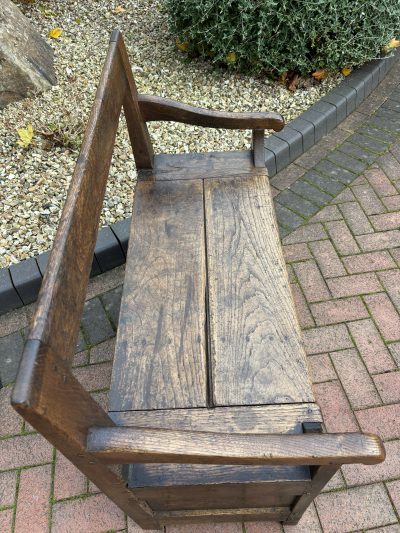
330, 113
281, 150
297, 203
95, 323
356, 151
312, 193
329, 185
108, 251
307, 131
112, 303
42, 260
270, 162
348, 162
356, 82
351, 96
340, 102
371, 72
294, 139
318, 120
121, 230
26, 279
11, 348
9, 298
340, 174
368, 143
287, 218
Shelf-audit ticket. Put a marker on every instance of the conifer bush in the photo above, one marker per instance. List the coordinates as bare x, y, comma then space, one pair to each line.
277, 36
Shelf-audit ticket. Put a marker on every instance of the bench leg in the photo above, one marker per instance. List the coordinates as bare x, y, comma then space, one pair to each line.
320, 475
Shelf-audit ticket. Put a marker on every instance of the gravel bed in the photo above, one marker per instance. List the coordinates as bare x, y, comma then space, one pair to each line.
33, 182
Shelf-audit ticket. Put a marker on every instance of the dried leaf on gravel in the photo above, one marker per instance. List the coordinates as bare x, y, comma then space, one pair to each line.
119, 9
25, 136
183, 46
320, 74
55, 33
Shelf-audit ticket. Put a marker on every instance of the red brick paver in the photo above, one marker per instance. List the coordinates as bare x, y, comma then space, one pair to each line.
33, 504
95, 514
355, 509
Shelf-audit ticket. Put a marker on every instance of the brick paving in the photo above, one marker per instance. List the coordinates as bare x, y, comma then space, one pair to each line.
344, 264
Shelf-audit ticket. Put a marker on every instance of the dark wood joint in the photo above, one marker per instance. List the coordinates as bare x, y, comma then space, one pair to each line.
312, 427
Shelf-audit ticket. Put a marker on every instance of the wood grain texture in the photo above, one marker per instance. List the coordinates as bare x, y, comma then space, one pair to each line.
229, 495
144, 445
285, 418
62, 295
157, 108
137, 128
160, 356
256, 354
197, 166
224, 515
175, 475
258, 148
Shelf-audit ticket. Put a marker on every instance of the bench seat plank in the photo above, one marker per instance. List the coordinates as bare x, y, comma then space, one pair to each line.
160, 359
255, 341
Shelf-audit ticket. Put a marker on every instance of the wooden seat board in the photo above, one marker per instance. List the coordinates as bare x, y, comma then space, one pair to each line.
283, 418
256, 351
160, 359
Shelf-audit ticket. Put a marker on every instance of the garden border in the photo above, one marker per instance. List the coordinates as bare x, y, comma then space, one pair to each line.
20, 283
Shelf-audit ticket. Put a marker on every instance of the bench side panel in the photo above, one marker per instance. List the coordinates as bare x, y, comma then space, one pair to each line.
256, 353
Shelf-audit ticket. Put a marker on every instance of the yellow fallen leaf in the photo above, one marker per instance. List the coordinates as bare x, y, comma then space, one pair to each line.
119, 9
320, 74
231, 58
25, 136
346, 71
55, 33
393, 43
183, 46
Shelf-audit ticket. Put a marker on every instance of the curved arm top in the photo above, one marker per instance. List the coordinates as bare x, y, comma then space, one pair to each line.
157, 108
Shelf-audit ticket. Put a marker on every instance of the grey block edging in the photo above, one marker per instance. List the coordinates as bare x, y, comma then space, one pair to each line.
20, 283
284, 147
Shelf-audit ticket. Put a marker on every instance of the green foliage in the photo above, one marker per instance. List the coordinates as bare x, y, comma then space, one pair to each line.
281, 35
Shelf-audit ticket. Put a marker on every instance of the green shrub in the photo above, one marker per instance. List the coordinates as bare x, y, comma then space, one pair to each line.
284, 35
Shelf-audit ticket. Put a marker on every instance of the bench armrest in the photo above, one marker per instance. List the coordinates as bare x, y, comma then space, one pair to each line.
137, 444
157, 108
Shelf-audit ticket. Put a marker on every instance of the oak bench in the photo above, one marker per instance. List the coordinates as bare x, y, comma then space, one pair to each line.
211, 410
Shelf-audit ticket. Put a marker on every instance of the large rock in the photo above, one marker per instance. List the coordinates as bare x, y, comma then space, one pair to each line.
26, 60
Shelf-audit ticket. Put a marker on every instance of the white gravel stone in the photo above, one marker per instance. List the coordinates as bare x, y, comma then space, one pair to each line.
34, 182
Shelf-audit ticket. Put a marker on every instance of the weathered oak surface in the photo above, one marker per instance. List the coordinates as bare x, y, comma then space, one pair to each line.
160, 358
255, 355
255, 342
248, 419
157, 108
144, 445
